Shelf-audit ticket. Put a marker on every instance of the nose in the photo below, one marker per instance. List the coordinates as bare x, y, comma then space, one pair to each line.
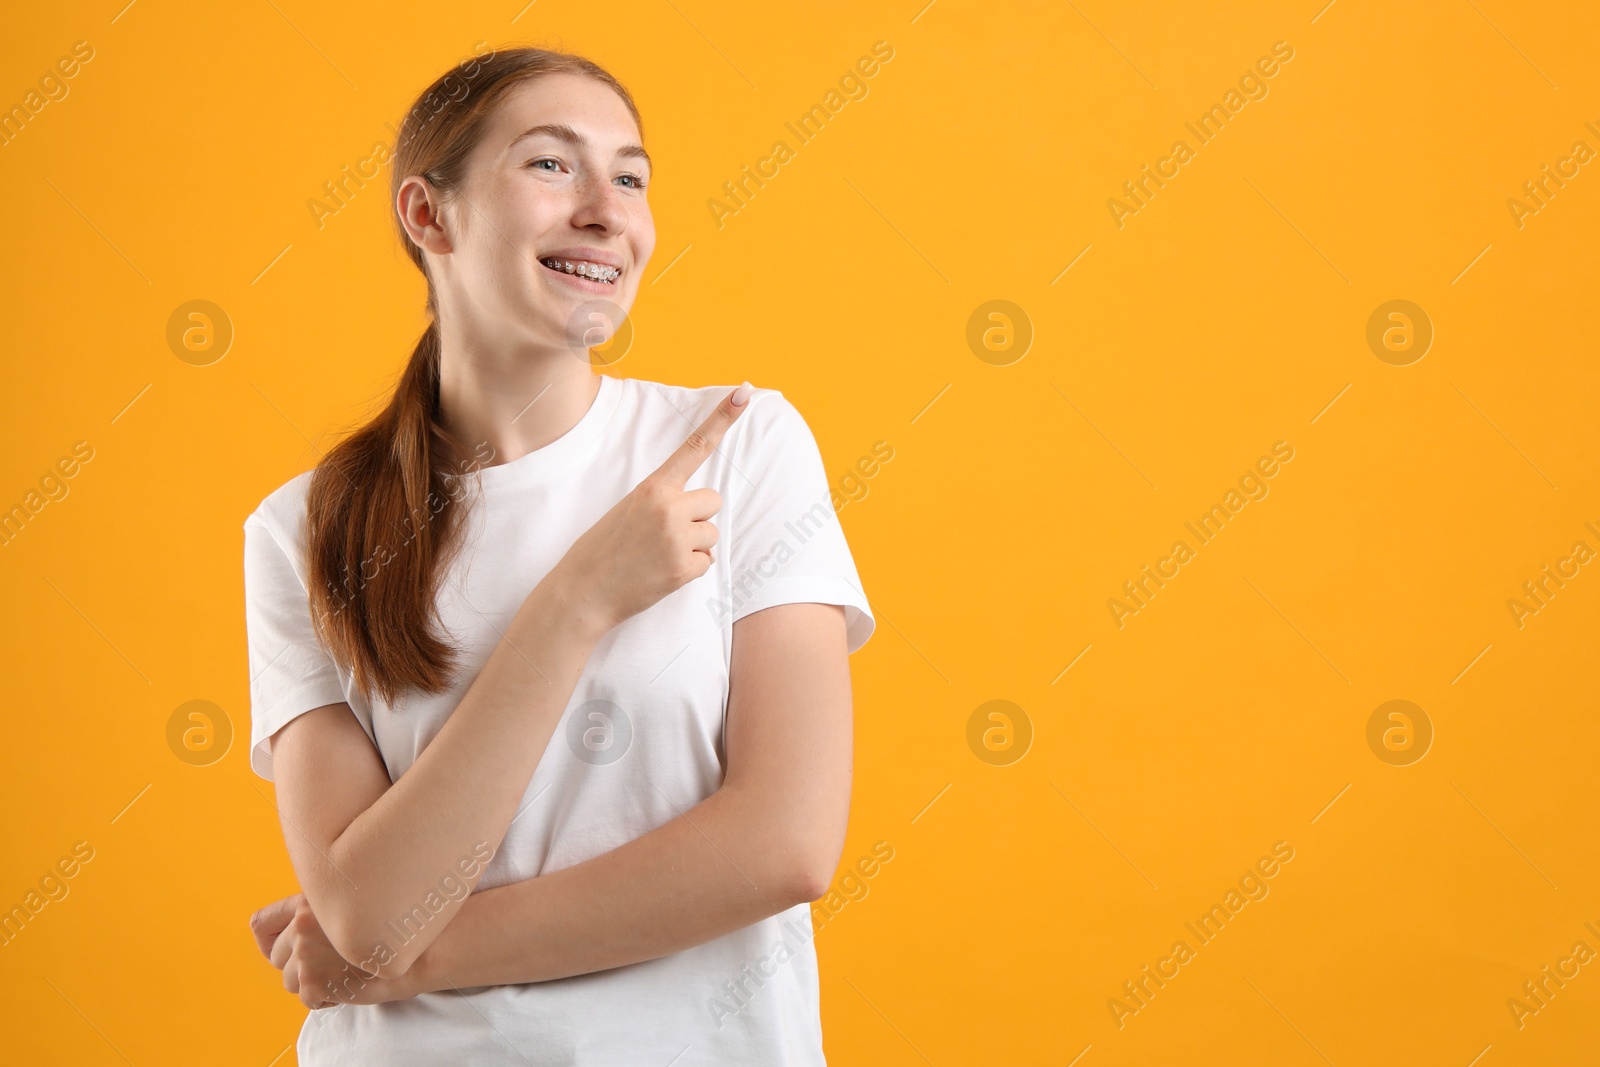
599, 206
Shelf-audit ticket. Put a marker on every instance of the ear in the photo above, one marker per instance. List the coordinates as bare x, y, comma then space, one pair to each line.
422, 214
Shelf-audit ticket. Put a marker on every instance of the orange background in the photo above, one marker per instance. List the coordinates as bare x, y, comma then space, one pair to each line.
1229, 313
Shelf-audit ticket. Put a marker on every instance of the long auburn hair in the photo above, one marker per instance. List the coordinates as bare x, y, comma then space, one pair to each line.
383, 518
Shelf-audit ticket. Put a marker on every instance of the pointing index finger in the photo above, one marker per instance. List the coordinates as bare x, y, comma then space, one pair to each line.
705, 438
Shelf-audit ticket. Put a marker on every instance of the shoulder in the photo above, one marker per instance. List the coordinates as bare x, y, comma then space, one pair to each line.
769, 420
282, 511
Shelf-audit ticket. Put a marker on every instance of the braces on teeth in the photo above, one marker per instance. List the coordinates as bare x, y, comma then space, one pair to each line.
588, 270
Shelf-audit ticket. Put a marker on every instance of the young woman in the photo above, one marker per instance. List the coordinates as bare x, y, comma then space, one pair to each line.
560, 763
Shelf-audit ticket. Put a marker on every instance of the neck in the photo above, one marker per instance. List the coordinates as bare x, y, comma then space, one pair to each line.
515, 401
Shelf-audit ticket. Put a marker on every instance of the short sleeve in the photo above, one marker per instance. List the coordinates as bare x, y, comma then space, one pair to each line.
787, 545
291, 672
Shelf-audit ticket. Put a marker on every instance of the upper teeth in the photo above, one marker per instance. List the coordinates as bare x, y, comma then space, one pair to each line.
598, 271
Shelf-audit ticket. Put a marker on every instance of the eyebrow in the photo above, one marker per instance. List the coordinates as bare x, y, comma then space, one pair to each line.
562, 132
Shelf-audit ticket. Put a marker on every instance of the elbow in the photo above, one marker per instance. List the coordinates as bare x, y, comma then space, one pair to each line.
354, 937
810, 872
789, 852
812, 849
807, 885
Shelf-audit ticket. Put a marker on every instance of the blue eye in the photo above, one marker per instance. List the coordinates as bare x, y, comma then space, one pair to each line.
638, 182
536, 162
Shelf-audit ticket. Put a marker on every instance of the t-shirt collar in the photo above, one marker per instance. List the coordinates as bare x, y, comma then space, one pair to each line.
541, 462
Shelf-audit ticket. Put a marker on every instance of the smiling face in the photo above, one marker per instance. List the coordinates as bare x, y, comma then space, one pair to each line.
551, 221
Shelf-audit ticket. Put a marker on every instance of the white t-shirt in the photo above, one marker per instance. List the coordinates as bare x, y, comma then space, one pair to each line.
640, 741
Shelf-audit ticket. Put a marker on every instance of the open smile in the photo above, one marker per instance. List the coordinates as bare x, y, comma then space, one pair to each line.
594, 277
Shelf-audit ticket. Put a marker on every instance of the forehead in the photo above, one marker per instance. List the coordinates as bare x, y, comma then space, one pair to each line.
590, 107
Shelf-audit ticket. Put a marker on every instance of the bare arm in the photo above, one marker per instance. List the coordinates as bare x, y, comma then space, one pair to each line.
768, 839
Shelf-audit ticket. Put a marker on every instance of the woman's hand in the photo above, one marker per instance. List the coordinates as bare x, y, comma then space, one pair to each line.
289, 935
656, 539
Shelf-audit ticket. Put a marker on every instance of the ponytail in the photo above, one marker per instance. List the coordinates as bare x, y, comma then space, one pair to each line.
381, 516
